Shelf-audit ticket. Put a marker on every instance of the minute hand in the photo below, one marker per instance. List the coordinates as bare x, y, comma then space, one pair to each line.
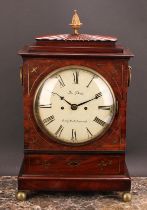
96, 97
85, 102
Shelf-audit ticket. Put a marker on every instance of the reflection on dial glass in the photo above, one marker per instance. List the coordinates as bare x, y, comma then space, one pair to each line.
74, 105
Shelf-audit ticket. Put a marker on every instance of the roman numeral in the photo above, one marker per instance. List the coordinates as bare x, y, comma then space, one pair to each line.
59, 131
105, 107
45, 106
62, 84
76, 77
74, 135
89, 133
98, 95
99, 121
90, 81
48, 120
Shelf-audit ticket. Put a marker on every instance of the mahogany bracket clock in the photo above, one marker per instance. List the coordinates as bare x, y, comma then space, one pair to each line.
75, 96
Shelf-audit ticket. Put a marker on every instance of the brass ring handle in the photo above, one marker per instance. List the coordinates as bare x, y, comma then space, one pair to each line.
130, 75
21, 74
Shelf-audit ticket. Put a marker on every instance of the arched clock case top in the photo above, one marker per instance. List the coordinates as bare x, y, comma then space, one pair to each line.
44, 67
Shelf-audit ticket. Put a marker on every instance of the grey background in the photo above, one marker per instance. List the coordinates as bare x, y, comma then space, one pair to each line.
21, 21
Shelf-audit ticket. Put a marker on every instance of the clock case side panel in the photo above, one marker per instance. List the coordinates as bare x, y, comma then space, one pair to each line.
115, 71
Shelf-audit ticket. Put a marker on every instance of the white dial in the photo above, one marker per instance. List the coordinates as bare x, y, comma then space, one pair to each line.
74, 105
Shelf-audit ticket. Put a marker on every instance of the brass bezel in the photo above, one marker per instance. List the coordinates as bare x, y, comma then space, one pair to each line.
37, 117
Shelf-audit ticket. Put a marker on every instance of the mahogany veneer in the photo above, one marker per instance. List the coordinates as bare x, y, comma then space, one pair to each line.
99, 165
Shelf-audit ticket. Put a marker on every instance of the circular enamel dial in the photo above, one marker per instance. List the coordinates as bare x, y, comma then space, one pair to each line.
74, 105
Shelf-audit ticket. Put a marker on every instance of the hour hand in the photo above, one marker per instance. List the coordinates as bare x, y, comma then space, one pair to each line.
62, 98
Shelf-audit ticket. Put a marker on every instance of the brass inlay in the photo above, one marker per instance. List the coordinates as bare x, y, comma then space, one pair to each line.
45, 164
104, 163
117, 107
34, 70
76, 24
115, 141
100, 64
33, 141
118, 67
74, 163
122, 81
28, 81
29, 116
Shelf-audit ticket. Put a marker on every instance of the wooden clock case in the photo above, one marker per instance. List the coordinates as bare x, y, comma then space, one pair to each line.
98, 165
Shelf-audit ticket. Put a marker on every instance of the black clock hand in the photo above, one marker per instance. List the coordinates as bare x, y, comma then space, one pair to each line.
66, 101
96, 97
62, 98
75, 106
85, 102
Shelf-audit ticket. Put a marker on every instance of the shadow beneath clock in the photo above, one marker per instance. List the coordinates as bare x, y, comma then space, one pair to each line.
73, 195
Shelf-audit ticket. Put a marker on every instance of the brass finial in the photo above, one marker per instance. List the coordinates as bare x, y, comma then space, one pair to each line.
76, 24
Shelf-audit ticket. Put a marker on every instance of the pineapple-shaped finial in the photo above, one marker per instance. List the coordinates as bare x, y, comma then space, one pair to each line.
76, 24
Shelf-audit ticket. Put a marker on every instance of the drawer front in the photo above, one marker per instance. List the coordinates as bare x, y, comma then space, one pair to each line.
66, 164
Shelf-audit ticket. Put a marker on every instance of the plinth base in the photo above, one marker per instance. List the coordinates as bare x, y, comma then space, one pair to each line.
74, 183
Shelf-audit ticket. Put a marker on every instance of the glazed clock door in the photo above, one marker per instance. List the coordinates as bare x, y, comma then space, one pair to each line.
74, 105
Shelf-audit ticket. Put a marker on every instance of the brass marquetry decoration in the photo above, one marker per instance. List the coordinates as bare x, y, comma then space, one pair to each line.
115, 141
104, 163
34, 70
28, 81
33, 141
117, 107
45, 163
74, 163
100, 65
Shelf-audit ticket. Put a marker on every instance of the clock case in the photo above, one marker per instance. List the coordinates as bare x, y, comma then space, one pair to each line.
95, 166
